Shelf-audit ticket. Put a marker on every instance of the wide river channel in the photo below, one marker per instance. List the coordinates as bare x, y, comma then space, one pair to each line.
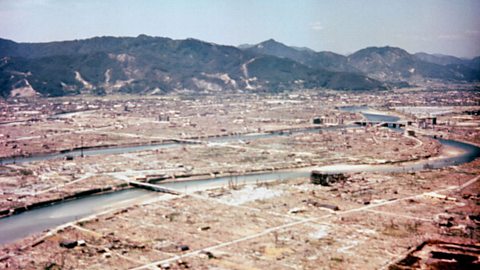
39, 219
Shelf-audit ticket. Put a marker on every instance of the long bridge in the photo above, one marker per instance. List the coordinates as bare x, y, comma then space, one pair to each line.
398, 124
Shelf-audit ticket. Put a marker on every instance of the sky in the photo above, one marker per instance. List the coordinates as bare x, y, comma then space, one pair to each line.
343, 26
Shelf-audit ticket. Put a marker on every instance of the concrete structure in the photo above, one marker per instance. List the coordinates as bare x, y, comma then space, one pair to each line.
163, 118
426, 122
409, 132
328, 120
325, 179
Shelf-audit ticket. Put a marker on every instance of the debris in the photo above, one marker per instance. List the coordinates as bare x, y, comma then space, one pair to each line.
475, 218
296, 210
204, 228
326, 179
322, 205
434, 254
183, 247
165, 266
435, 195
182, 264
207, 254
68, 244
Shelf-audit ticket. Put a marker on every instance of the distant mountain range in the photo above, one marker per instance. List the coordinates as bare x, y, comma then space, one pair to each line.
155, 65
386, 64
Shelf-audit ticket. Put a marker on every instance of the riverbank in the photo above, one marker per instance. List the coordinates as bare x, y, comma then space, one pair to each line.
27, 183
190, 183
277, 229
243, 200
176, 177
128, 147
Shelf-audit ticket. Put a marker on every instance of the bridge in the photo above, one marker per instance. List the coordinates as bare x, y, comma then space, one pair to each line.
151, 187
399, 124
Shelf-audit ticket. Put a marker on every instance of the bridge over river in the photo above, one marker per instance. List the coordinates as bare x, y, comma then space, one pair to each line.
36, 220
396, 124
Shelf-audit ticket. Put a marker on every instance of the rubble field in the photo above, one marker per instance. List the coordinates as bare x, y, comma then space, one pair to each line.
409, 220
278, 225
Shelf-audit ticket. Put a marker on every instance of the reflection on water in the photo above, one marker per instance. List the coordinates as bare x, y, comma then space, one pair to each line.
369, 115
39, 219
88, 152
380, 118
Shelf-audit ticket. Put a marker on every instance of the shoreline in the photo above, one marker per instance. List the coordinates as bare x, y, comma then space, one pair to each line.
186, 178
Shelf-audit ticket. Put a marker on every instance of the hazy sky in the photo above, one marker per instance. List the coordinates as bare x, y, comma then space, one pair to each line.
343, 26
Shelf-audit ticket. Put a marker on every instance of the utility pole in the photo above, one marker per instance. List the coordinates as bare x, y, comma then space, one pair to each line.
81, 146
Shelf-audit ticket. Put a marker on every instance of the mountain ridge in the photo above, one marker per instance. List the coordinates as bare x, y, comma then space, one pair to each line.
385, 63
146, 65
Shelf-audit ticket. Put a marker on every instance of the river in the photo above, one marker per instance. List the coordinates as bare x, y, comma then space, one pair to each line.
36, 220
113, 150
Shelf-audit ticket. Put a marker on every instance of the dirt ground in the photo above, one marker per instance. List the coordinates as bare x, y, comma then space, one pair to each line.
367, 221
276, 225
